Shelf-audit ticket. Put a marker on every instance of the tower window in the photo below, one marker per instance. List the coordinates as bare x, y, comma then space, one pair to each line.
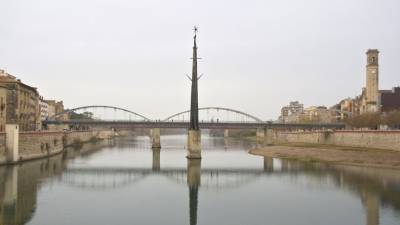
373, 60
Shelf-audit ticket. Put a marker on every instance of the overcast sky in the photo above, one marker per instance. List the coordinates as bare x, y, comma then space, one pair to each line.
257, 54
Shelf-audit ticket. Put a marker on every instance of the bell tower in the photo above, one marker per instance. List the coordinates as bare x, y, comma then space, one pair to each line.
372, 88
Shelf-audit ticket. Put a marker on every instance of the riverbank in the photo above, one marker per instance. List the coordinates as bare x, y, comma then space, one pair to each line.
36, 145
372, 139
354, 156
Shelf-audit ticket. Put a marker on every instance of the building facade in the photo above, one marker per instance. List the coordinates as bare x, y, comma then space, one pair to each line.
291, 112
44, 109
318, 114
390, 99
3, 105
20, 103
55, 109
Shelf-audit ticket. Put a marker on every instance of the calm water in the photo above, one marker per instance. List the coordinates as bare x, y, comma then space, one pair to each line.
125, 182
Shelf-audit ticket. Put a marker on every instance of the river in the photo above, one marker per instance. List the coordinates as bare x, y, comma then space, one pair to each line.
124, 181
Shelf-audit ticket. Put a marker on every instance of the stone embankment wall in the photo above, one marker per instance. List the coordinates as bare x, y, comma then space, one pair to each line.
39, 144
365, 139
34, 145
2, 146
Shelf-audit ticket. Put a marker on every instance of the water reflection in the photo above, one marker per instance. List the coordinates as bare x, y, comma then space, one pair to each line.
268, 164
374, 187
156, 159
193, 182
20, 184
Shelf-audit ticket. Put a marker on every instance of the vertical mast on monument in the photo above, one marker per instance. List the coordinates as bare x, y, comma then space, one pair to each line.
194, 106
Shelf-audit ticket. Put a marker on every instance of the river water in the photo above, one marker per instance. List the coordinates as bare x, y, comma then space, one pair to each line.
126, 182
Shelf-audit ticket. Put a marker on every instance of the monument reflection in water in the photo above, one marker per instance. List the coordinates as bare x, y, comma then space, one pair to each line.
19, 185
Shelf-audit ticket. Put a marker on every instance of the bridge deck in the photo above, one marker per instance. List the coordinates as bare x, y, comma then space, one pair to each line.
203, 125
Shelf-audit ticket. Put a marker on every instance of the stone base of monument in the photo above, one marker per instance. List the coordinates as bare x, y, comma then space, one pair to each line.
194, 144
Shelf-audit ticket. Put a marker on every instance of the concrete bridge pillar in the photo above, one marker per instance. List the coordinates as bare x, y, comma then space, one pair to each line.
226, 133
260, 135
268, 164
155, 138
269, 136
265, 136
194, 144
12, 138
156, 159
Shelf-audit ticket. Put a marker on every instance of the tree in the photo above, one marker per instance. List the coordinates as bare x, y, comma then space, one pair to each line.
81, 116
392, 119
365, 120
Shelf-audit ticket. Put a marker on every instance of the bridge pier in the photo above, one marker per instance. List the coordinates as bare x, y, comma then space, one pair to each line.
269, 136
155, 138
156, 159
12, 147
226, 133
260, 135
194, 144
265, 136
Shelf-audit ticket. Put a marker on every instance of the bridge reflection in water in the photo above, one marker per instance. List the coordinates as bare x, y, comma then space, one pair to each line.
20, 184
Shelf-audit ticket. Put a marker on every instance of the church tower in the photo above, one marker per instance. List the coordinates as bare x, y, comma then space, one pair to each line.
372, 88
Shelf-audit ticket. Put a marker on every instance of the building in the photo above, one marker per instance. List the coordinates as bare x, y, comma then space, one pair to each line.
3, 95
296, 113
344, 109
371, 100
317, 114
290, 112
20, 103
44, 109
55, 108
390, 99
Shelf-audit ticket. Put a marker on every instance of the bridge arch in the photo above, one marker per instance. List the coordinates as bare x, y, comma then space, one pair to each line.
178, 116
100, 179
69, 111
113, 178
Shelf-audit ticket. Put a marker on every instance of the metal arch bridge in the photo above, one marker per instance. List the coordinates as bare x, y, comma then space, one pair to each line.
175, 117
250, 121
180, 116
68, 111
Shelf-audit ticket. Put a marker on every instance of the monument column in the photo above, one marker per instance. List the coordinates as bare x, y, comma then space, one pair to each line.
194, 133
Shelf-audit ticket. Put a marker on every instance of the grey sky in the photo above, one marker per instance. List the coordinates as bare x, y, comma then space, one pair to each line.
257, 54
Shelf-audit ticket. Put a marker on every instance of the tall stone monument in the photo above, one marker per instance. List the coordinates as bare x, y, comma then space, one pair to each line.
194, 133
